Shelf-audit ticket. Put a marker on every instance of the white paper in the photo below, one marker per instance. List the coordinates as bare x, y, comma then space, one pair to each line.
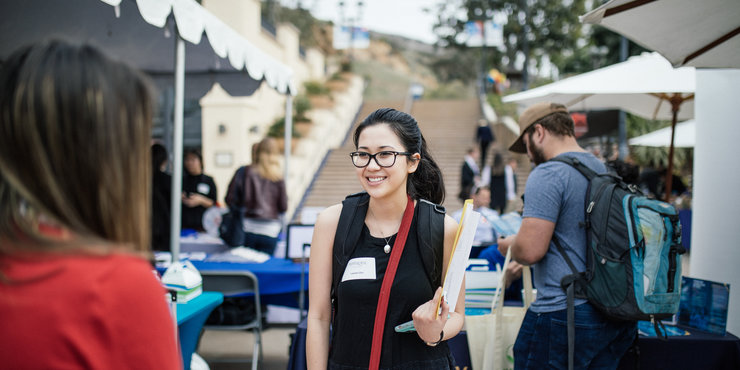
458, 263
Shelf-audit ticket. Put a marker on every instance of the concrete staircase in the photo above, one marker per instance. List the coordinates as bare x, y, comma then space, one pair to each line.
449, 128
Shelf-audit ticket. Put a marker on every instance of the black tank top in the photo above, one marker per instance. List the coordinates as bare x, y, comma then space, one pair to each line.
355, 315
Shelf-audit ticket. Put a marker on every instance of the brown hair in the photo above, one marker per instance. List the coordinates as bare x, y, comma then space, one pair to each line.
74, 149
268, 160
558, 123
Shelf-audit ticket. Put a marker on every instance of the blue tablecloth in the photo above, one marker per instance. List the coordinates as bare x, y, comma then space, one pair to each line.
276, 275
279, 279
190, 319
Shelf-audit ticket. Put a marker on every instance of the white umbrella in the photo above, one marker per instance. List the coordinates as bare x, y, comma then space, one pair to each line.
685, 136
645, 85
702, 33
641, 85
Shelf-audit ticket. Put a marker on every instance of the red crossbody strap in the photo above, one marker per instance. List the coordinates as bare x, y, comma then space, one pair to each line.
385, 287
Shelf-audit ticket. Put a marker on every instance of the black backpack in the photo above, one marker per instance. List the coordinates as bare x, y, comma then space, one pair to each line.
633, 253
429, 233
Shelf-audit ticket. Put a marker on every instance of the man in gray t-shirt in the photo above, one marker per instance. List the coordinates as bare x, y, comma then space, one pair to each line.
553, 208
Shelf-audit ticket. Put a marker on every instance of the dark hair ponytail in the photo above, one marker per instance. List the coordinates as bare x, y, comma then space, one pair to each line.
426, 182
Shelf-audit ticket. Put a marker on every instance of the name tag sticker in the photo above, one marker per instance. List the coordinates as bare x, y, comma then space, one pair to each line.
203, 188
359, 269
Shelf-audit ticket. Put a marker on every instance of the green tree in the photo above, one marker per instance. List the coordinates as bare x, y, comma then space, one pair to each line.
602, 48
534, 29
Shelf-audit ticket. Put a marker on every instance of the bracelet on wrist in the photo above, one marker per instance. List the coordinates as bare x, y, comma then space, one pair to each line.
441, 336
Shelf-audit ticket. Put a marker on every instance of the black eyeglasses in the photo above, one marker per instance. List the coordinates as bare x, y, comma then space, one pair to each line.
385, 158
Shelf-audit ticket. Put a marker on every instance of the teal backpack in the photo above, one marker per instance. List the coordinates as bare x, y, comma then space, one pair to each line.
633, 253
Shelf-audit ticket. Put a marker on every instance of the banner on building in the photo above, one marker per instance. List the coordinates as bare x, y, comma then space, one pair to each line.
479, 33
351, 37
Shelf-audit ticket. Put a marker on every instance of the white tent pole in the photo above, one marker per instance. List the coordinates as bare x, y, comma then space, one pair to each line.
288, 140
177, 149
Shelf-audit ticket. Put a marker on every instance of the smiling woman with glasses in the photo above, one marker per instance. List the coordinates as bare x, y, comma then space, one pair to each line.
380, 256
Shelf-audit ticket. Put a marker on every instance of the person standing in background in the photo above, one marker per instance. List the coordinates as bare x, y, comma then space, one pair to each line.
511, 184
76, 288
198, 191
484, 136
498, 184
470, 174
259, 189
161, 199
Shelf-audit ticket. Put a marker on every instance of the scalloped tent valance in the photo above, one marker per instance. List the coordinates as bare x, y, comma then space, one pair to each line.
141, 33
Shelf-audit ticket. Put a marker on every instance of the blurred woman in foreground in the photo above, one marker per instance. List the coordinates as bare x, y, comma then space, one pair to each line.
76, 290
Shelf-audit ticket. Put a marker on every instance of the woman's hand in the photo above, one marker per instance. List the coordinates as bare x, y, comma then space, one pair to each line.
428, 325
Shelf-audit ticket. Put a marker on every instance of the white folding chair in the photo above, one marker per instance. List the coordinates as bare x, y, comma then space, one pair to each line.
237, 283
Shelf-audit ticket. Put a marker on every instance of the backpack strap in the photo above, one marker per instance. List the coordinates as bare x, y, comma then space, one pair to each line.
569, 284
575, 163
430, 234
354, 210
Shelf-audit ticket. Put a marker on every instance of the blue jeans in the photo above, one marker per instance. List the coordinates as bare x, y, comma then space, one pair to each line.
262, 243
599, 343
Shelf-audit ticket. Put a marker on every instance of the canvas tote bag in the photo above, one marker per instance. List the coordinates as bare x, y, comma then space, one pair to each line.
491, 336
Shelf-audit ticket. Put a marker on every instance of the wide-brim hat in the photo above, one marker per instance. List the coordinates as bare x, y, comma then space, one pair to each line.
530, 117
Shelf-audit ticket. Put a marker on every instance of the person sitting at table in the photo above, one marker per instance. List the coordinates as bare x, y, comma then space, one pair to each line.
485, 234
76, 289
399, 175
259, 189
198, 191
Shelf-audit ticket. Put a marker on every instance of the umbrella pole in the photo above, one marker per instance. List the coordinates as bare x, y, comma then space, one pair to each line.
676, 101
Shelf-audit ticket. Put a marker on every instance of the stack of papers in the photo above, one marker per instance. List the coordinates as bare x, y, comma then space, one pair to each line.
480, 287
507, 224
480, 283
460, 253
164, 259
479, 298
240, 255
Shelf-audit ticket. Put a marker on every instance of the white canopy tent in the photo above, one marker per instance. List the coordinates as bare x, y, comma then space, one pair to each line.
685, 136
141, 32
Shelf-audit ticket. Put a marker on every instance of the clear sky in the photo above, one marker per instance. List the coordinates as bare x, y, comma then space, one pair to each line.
398, 17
